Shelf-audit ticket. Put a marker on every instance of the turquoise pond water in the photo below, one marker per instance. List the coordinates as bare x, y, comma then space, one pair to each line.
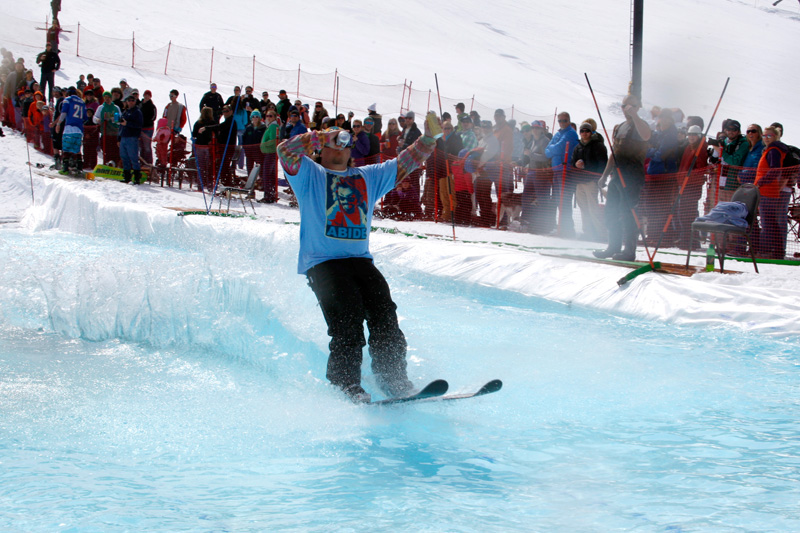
164, 389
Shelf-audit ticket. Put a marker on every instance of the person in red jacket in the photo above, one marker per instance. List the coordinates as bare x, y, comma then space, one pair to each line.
773, 184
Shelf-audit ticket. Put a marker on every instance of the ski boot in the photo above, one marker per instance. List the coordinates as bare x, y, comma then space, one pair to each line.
126, 176
357, 394
65, 164
56, 163
137, 177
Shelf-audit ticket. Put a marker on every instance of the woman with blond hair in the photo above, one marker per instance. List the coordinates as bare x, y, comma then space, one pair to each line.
773, 184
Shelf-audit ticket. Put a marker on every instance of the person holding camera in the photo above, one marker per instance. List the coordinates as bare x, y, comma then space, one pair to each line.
336, 205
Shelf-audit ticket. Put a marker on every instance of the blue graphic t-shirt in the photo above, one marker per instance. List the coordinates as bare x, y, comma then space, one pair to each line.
336, 209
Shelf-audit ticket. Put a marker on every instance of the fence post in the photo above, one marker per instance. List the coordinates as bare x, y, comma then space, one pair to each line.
512, 111
169, 47
78, 45
408, 107
402, 98
254, 72
429, 101
298, 81
472, 104
133, 49
211, 72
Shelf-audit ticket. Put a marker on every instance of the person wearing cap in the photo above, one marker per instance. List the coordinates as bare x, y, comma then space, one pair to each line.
563, 142
466, 130
410, 131
126, 89
336, 205
590, 158
90, 99
294, 126
374, 155
149, 116
50, 62
694, 162
251, 141
213, 100
129, 134
283, 106
97, 88
734, 151
628, 156
377, 119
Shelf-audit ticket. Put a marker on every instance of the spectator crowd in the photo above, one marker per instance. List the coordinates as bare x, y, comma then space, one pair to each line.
485, 173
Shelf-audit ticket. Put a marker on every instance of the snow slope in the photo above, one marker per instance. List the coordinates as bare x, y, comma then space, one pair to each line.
532, 55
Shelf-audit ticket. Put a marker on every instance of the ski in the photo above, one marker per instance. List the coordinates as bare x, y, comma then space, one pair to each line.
490, 387
432, 390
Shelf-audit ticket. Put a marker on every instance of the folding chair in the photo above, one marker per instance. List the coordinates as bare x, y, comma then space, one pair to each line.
243, 194
747, 194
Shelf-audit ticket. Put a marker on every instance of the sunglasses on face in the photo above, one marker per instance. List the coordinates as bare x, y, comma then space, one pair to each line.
752, 131
768, 136
562, 120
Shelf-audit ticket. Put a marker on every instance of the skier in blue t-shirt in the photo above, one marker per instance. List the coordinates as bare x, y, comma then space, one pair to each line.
336, 204
73, 114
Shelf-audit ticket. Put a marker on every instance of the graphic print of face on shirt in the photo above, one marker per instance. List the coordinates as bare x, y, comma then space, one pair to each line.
346, 214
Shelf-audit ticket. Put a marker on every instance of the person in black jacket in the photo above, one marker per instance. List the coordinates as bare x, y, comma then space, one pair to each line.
50, 63
225, 135
213, 100
590, 157
131, 122
150, 115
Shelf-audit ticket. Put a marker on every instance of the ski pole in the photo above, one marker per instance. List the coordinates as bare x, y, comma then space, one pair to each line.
689, 171
194, 154
446, 165
28, 148
619, 172
222, 162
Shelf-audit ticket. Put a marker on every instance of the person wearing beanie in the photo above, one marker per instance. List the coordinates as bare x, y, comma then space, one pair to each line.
589, 158
251, 141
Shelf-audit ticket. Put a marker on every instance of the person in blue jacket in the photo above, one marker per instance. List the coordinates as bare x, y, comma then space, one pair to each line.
563, 142
131, 122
